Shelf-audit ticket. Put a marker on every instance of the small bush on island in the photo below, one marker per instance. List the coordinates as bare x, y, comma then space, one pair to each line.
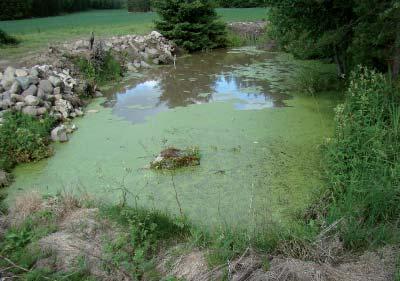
23, 138
364, 161
193, 25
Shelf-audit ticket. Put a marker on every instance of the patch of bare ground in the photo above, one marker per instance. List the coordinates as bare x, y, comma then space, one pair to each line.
377, 265
80, 235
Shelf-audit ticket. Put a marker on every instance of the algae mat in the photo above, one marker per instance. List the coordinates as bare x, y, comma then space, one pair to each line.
258, 144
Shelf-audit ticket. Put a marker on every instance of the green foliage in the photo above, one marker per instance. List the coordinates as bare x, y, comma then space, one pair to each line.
193, 25
143, 231
101, 71
240, 3
139, 5
312, 77
350, 32
17, 9
364, 161
6, 39
23, 139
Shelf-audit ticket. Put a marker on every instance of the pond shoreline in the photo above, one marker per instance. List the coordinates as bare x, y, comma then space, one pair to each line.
53, 85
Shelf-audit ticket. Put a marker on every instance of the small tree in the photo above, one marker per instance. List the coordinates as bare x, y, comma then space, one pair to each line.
139, 5
192, 24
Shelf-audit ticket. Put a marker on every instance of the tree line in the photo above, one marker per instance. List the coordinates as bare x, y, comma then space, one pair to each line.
18, 9
351, 32
147, 5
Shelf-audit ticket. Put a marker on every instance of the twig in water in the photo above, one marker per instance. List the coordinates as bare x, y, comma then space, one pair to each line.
176, 195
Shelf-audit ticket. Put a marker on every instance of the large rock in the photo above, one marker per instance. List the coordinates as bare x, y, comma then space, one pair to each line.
24, 82
31, 91
30, 110
32, 100
46, 86
59, 134
17, 98
21, 73
74, 100
64, 107
152, 53
15, 88
19, 106
5, 104
41, 110
8, 78
55, 81
34, 72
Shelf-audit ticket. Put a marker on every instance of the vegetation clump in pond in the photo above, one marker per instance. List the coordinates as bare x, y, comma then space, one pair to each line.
174, 158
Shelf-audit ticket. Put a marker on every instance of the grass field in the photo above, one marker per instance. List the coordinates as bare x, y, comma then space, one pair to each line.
38, 33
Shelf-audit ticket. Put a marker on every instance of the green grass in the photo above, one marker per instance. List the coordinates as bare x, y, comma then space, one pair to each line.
38, 33
364, 162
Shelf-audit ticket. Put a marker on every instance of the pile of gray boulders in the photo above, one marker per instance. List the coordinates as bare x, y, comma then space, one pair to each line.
38, 91
140, 50
248, 29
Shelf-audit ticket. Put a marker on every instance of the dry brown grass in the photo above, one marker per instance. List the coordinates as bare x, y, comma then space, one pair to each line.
25, 205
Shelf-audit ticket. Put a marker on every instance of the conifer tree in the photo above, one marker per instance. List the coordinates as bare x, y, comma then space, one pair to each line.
192, 24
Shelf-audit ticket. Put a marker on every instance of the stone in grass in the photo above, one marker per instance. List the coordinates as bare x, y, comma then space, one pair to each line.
174, 158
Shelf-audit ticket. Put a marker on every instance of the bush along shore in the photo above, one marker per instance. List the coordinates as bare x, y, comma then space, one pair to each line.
39, 102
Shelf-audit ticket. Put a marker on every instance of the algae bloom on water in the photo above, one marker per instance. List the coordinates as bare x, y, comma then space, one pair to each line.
173, 158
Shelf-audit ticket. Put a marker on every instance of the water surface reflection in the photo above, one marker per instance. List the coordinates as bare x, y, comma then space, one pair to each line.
197, 79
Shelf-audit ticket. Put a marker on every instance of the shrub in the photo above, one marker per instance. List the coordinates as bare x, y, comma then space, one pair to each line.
313, 77
100, 69
364, 161
23, 139
6, 39
193, 25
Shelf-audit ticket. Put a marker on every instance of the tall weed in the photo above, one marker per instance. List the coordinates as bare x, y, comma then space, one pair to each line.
363, 161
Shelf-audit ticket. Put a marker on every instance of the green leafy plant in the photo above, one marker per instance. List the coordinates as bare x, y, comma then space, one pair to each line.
363, 159
143, 232
100, 71
24, 138
311, 78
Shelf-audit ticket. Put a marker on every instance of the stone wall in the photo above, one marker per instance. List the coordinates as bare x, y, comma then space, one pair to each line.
40, 90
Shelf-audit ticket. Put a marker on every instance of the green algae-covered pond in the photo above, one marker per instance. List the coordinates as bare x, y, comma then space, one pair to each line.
257, 137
